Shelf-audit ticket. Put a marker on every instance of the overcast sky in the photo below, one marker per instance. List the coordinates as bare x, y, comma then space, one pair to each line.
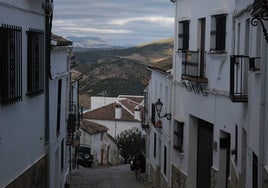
120, 22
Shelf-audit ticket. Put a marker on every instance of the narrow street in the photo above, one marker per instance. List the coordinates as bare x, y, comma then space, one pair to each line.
106, 177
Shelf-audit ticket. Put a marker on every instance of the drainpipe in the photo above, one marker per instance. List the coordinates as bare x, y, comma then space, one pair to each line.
173, 93
48, 26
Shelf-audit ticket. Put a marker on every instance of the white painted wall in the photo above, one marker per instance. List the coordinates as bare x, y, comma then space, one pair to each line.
116, 127
21, 124
160, 88
216, 108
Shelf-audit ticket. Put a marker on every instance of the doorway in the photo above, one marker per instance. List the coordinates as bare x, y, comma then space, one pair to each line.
224, 166
204, 153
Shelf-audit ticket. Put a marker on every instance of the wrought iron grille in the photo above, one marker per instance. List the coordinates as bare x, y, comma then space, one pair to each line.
71, 123
10, 64
194, 66
238, 78
35, 66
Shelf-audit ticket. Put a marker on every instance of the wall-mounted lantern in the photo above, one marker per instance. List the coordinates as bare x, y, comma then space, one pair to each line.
158, 107
260, 14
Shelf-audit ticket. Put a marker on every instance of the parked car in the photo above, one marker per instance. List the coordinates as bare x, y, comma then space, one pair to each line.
84, 157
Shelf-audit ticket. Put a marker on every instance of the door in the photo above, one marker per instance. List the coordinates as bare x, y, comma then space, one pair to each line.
204, 153
224, 169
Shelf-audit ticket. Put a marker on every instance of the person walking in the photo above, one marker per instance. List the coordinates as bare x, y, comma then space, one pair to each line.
137, 166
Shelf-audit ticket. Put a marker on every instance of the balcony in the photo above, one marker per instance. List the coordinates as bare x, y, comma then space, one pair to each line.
194, 66
238, 78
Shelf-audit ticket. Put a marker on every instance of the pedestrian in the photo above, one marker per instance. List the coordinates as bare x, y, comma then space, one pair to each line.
137, 166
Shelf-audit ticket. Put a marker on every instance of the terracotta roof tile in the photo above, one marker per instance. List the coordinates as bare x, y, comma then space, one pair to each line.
107, 112
92, 128
60, 41
163, 65
137, 99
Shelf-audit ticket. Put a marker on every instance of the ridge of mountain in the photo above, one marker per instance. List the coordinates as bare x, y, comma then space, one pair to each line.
118, 71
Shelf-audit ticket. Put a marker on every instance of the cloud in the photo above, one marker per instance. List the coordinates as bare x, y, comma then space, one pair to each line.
118, 21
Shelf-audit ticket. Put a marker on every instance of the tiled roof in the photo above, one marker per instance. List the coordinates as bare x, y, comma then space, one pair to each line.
137, 99
163, 65
60, 41
107, 112
92, 128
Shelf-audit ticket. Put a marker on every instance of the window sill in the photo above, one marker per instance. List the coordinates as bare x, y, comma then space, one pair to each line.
217, 53
180, 150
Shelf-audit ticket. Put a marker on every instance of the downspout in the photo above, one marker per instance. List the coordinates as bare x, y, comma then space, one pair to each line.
48, 26
173, 87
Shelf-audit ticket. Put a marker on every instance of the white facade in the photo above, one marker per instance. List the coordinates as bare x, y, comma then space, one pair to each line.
218, 94
23, 122
59, 106
159, 146
103, 147
116, 126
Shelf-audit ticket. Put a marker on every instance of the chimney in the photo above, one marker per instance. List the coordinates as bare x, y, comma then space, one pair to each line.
118, 110
137, 113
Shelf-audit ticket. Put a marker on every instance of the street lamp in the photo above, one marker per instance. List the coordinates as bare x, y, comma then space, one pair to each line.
158, 106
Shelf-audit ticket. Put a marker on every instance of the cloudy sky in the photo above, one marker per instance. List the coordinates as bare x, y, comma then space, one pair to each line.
120, 22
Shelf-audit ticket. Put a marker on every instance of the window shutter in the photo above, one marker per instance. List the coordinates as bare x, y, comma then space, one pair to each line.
153, 114
220, 32
185, 35
213, 34
180, 36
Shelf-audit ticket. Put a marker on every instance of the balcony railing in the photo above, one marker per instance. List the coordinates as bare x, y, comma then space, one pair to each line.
238, 78
194, 66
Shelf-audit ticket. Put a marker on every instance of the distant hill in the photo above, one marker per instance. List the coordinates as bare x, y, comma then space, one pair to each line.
85, 43
118, 71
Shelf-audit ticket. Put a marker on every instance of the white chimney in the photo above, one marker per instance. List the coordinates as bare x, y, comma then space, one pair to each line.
118, 110
137, 113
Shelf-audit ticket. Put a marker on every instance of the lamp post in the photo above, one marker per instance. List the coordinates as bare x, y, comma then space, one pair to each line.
158, 106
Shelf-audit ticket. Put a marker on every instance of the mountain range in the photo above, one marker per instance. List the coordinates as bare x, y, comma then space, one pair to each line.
113, 72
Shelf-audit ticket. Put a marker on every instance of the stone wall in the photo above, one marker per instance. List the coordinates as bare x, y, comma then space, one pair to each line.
34, 177
178, 178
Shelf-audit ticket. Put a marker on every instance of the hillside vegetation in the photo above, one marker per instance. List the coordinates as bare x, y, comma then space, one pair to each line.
112, 72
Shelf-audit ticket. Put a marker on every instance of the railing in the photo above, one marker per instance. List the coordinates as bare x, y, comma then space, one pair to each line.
194, 66
238, 78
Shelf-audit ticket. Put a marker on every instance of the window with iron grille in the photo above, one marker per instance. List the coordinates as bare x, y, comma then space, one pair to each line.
10, 64
153, 113
183, 37
178, 135
59, 106
35, 66
218, 33
165, 160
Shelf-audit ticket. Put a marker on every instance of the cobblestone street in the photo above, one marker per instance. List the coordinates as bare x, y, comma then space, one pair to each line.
106, 177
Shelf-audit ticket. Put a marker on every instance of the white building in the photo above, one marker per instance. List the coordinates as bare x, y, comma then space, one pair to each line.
102, 145
59, 86
121, 114
22, 111
158, 130
218, 132
33, 101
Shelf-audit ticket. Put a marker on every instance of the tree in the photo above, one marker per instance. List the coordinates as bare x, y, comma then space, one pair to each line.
130, 142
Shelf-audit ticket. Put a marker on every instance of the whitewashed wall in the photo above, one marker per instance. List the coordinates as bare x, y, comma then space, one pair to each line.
21, 124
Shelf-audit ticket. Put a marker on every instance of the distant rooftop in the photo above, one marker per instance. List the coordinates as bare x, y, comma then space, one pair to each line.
162, 65
60, 41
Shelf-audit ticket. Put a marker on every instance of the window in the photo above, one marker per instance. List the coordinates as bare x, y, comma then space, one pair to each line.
183, 37
35, 64
254, 170
165, 160
62, 154
59, 106
154, 145
153, 113
10, 64
178, 135
218, 33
